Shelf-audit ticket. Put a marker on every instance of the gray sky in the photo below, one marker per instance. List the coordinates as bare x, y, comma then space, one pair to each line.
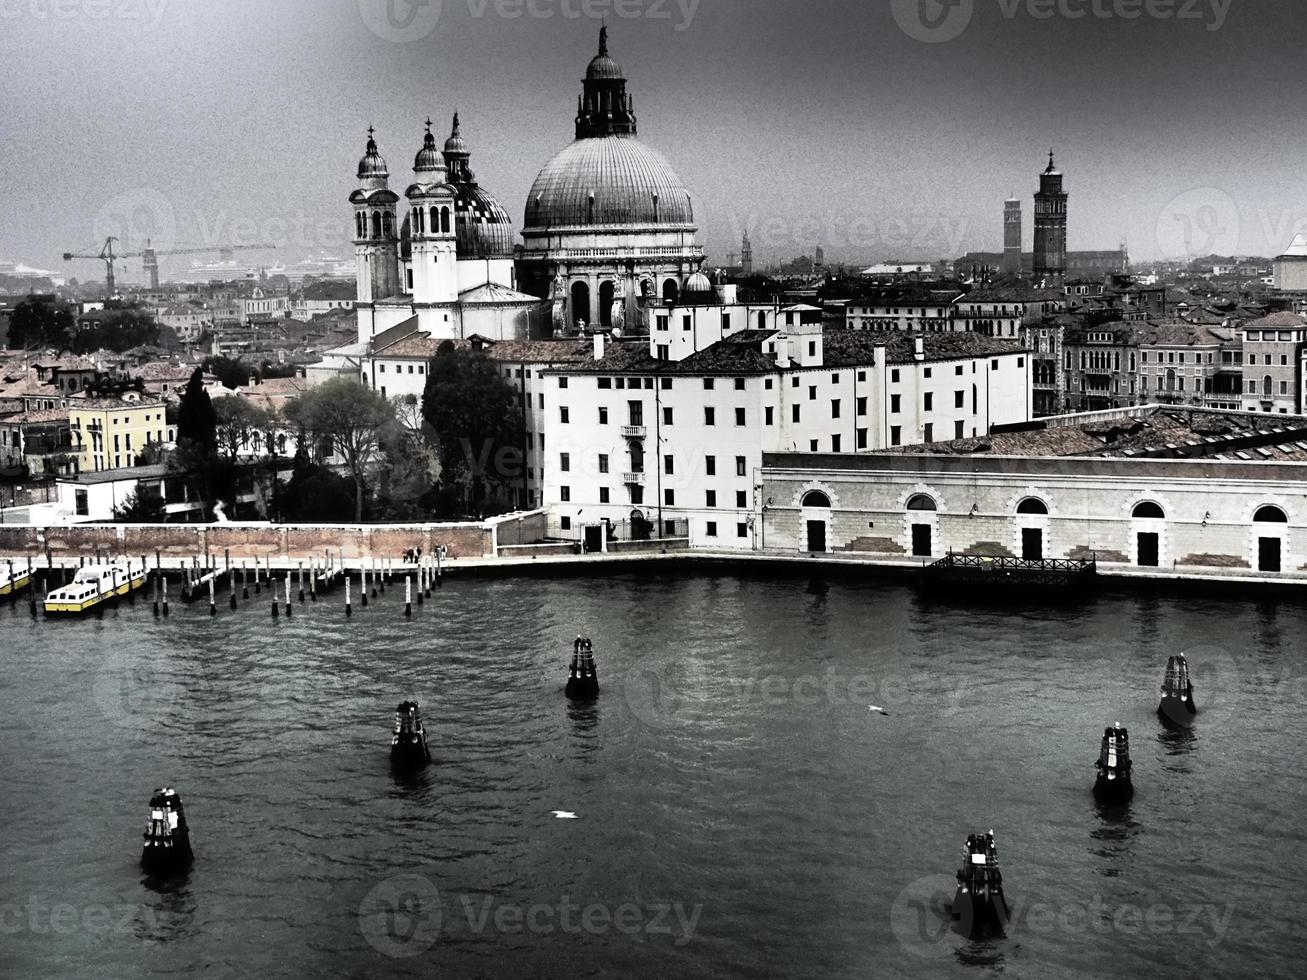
879, 128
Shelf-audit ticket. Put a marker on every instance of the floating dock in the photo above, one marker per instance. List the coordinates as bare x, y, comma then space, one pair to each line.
1017, 575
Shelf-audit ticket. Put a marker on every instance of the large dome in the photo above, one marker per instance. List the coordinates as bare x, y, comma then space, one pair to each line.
611, 180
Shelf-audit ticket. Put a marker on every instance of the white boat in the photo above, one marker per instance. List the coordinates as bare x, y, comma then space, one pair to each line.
93, 585
14, 578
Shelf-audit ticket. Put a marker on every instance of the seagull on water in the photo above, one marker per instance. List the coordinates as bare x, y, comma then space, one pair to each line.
564, 814
878, 708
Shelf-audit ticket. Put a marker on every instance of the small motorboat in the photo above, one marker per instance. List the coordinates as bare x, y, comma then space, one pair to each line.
94, 585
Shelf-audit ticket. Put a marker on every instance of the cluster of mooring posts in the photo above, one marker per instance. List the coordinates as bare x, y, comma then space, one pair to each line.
979, 904
167, 848
65, 587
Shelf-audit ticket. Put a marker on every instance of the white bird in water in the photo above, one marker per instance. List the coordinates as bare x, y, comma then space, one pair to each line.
876, 707
564, 814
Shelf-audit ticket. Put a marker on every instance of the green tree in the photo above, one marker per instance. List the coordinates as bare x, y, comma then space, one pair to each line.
355, 418
119, 327
38, 322
144, 505
196, 420
477, 423
232, 372
236, 421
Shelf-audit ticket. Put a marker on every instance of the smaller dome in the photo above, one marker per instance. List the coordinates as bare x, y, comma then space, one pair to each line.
698, 291
428, 158
602, 66
455, 144
372, 165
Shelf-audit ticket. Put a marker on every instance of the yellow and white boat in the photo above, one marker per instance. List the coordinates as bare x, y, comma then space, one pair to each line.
13, 579
93, 585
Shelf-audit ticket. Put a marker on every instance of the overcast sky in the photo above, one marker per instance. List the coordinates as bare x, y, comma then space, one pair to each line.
877, 128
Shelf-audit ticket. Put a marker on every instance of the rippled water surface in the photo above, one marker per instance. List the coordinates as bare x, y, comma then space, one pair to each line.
740, 811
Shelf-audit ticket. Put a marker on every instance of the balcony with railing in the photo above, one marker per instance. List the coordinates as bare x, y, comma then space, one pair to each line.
633, 479
633, 432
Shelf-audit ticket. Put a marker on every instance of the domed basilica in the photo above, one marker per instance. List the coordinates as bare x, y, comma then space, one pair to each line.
608, 229
609, 226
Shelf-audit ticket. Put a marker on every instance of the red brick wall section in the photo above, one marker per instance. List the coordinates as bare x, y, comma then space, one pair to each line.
244, 541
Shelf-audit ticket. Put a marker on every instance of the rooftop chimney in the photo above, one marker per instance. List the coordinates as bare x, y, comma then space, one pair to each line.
919, 353
599, 347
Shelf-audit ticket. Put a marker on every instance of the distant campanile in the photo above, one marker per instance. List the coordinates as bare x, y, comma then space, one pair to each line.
1012, 237
1050, 226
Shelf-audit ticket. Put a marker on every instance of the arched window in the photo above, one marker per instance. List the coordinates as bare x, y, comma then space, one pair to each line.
1032, 505
434, 224
444, 221
606, 293
376, 224
762, 319
1266, 386
815, 498
388, 224
671, 291
1170, 380
1148, 510
1270, 515
921, 501
360, 220
580, 302
419, 222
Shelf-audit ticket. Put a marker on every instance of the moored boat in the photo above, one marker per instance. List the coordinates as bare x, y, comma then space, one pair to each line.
94, 585
979, 903
408, 745
1177, 705
1113, 781
13, 579
582, 678
167, 838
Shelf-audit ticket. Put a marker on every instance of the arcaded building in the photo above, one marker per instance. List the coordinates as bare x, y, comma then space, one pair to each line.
1185, 490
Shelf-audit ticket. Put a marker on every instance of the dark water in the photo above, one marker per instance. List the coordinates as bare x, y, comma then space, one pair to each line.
740, 811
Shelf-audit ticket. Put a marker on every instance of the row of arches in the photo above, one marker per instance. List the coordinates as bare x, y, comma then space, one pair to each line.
438, 223
382, 224
1144, 510
580, 297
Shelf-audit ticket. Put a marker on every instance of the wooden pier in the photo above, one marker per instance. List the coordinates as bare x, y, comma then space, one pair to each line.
1014, 575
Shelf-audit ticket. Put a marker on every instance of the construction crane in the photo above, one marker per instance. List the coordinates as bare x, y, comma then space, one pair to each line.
150, 257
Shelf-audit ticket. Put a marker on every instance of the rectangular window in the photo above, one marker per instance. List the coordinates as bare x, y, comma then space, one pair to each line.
565, 462
768, 417
708, 384
741, 465
926, 373
709, 415
862, 438
812, 446
562, 382
929, 433
606, 383
794, 409
711, 529
669, 464
835, 408
741, 499
565, 523
562, 414
958, 369
603, 495
958, 431
603, 462
710, 498
741, 530
957, 399
603, 415
739, 416
739, 384
710, 465
667, 416
835, 444
894, 375
685, 322
767, 383
565, 494
862, 406
929, 401
812, 393
669, 498
794, 381
667, 384
895, 404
